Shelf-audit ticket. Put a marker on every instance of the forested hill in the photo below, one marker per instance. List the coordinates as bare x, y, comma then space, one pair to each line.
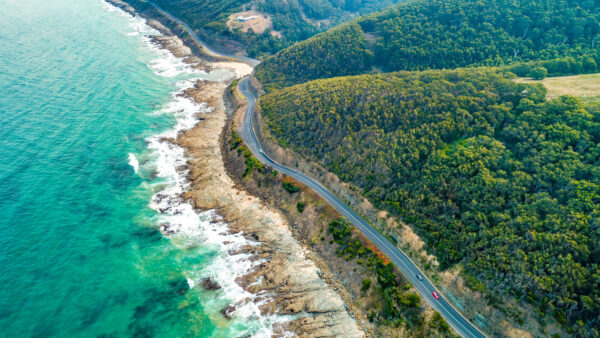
489, 174
292, 20
442, 34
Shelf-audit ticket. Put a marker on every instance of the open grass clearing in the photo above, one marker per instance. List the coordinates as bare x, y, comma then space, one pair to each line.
586, 86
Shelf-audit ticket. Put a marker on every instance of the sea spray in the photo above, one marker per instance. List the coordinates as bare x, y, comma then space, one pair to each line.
81, 250
133, 162
179, 221
187, 228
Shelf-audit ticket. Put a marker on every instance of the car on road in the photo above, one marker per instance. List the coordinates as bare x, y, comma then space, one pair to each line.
435, 295
419, 277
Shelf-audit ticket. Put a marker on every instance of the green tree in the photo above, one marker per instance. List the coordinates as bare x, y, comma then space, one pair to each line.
538, 73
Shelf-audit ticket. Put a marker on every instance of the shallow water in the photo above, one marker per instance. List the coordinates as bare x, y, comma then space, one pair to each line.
85, 99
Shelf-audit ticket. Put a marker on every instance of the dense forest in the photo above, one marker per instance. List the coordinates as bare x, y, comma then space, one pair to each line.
296, 20
354, 56
442, 34
489, 173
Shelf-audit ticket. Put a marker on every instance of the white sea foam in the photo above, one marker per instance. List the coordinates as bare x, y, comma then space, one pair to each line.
177, 219
134, 163
168, 65
187, 228
138, 24
140, 27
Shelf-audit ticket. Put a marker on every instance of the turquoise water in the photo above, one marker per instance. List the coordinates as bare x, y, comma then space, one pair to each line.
81, 252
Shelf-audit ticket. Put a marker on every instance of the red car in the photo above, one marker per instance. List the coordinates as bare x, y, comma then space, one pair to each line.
435, 295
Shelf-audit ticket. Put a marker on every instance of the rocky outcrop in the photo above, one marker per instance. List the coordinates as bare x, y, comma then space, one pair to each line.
210, 285
179, 49
122, 5
287, 280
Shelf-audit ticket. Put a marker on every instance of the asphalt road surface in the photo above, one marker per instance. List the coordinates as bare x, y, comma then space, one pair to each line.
425, 288
195, 37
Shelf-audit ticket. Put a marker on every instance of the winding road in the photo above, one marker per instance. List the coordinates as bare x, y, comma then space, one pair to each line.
208, 50
425, 288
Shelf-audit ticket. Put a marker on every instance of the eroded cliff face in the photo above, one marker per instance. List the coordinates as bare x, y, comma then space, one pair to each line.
286, 281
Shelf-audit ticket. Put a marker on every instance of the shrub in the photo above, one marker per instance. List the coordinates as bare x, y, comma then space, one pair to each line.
289, 185
236, 140
539, 73
366, 284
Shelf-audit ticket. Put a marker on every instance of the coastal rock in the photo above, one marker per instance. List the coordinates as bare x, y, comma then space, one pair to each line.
122, 5
228, 311
166, 230
174, 44
210, 285
284, 280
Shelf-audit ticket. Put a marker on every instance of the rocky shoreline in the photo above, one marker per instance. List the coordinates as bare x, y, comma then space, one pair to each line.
284, 280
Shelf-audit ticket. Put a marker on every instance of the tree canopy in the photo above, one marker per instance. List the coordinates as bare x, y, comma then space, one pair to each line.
442, 34
487, 171
296, 20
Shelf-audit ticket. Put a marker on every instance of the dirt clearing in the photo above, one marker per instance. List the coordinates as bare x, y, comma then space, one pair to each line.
259, 22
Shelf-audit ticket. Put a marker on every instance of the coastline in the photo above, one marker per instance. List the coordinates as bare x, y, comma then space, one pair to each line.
286, 281
279, 279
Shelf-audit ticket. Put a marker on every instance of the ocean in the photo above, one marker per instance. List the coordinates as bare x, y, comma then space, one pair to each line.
87, 181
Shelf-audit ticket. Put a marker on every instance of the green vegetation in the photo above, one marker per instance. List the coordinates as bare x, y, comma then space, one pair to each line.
236, 140
437, 34
233, 86
559, 67
296, 20
399, 306
486, 170
538, 73
251, 162
315, 58
438, 323
300, 206
289, 185
366, 284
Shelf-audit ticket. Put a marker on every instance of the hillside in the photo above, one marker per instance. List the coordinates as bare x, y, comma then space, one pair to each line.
442, 34
486, 170
289, 21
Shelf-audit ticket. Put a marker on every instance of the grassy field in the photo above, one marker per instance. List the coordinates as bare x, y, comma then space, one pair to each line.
585, 86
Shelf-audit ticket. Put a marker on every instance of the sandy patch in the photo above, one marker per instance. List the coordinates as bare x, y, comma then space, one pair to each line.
241, 69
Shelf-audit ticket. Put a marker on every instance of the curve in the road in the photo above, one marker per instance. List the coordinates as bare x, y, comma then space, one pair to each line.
195, 37
425, 288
